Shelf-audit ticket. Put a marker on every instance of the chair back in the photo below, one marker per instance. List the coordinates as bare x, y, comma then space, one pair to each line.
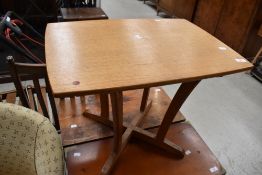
35, 72
29, 144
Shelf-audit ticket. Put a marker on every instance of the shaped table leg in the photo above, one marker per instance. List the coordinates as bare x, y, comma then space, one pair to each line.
121, 139
144, 99
117, 109
183, 92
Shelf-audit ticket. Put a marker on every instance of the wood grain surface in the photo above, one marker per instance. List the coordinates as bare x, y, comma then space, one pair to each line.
88, 57
207, 14
78, 14
140, 158
71, 114
260, 31
234, 25
178, 8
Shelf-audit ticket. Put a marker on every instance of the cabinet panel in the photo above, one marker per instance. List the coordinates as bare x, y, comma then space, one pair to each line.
178, 8
254, 40
234, 22
207, 14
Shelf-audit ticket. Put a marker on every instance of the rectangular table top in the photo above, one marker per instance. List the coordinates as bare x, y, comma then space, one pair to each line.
88, 57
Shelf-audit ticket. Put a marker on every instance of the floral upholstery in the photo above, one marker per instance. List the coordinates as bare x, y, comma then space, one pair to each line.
29, 144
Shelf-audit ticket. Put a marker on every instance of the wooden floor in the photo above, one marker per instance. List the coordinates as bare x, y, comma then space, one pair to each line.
143, 159
138, 158
76, 128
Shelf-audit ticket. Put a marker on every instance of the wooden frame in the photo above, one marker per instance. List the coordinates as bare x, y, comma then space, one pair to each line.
36, 71
121, 138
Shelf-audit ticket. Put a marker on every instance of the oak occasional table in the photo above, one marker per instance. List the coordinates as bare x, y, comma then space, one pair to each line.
111, 56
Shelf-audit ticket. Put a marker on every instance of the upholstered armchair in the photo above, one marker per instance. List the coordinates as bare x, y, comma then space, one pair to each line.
29, 143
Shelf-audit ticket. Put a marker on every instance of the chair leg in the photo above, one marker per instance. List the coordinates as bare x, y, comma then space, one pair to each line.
157, 11
257, 55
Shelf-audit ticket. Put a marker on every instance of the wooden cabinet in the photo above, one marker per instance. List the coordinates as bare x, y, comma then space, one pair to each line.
254, 38
207, 14
236, 23
177, 8
233, 22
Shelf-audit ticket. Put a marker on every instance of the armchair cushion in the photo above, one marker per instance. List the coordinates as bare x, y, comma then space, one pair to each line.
29, 144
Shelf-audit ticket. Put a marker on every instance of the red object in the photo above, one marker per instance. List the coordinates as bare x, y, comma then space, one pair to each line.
10, 35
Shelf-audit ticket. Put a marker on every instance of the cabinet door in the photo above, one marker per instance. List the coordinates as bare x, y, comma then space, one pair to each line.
167, 5
254, 39
179, 8
184, 8
235, 21
207, 14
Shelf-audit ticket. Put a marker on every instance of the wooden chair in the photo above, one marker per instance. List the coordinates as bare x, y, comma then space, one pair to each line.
35, 71
14, 35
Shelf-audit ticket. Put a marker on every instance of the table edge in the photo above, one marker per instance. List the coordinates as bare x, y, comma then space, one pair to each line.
153, 84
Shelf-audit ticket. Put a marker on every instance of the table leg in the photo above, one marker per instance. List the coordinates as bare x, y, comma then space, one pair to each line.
183, 92
104, 106
159, 138
175, 150
104, 115
144, 99
121, 139
117, 110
